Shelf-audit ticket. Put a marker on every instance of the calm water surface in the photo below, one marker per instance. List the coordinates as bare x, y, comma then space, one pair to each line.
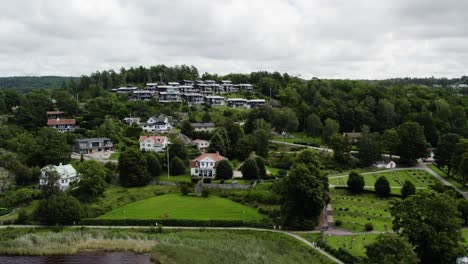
82, 258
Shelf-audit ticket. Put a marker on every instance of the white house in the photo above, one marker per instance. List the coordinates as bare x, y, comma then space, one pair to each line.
62, 125
157, 124
153, 143
204, 166
202, 145
390, 165
215, 100
66, 172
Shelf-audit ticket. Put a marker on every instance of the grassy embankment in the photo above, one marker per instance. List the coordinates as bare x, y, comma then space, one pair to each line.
176, 206
168, 247
300, 138
443, 174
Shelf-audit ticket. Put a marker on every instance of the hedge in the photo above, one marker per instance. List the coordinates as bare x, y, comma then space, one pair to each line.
175, 222
368, 191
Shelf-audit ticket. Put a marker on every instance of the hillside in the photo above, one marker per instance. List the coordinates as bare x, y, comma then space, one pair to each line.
28, 83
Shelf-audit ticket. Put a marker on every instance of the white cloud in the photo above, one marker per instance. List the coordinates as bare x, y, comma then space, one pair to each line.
323, 38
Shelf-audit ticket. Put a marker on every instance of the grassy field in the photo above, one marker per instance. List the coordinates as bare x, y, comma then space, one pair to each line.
114, 156
300, 137
176, 206
30, 208
354, 244
194, 247
354, 211
444, 175
181, 178
420, 179
117, 196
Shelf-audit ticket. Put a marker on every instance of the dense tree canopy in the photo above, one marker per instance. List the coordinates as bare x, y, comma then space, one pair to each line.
391, 249
133, 170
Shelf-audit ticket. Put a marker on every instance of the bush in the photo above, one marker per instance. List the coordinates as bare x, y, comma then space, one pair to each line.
382, 187
205, 192
338, 223
195, 180
184, 188
369, 227
206, 180
355, 182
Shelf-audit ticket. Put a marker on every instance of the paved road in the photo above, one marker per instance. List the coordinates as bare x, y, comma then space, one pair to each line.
291, 234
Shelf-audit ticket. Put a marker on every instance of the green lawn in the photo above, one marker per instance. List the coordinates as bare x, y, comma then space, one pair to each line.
354, 244
114, 156
354, 211
176, 206
300, 138
181, 178
420, 179
444, 175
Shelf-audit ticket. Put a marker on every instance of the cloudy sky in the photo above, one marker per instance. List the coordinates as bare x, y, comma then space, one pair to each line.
323, 38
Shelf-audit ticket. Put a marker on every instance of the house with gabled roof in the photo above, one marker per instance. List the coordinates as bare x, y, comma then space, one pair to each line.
202, 145
153, 143
157, 124
204, 166
62, 125
67, 174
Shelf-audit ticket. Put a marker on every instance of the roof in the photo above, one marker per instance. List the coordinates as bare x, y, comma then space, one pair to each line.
202, 124
55, 112
214, 156
183, 138
215, 97
62, 169
352, 134
91, 139
58, 121
199, 141
237, 99
154, 138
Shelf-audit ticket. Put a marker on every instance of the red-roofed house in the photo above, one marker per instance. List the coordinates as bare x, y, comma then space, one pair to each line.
153, 143
54, 114
202, 145
204, 166
62, 125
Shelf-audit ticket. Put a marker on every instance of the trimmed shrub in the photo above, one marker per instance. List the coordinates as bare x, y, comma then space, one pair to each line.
369, 227
205, 192
206, 180
338, 223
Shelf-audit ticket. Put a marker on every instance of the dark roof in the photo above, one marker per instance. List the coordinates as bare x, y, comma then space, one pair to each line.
203, 124
91, 139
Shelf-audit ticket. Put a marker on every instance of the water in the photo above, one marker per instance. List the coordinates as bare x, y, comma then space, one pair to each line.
81, 258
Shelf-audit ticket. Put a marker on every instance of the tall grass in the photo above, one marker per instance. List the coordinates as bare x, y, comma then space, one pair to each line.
193, 247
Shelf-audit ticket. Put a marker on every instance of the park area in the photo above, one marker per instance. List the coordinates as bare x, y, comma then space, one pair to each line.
352, 212
420, 178
176, 206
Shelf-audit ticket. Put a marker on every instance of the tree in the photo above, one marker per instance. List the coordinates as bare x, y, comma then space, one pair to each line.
408, 189
178, 149
444, 151
261, 166
153, 163
217, 144
460, 148
133, 170
391, 141
463, 168
382, 187
52, 184
187, 129
52, 148
262, 139
413, 143
430, 221
341, 148
249, 169
91, 181
224, 170
314, 125
59, 208
177, 167
463, 209
355, 182
303, 196
331, 128
32, 111
368, 148
391, 249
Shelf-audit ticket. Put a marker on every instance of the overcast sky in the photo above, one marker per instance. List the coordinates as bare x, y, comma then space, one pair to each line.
322, 38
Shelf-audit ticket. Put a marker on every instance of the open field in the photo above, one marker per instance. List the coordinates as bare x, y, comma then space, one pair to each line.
354, 211
354, 244
420, 178
182, 178
443, 174
193, 247
176, 206
300, 138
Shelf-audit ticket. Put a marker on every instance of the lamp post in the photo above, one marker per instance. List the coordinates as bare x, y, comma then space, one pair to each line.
160, 77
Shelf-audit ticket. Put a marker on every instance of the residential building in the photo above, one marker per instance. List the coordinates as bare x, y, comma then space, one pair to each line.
215, 100
132, 120
237, 102
205, 165
193, 98
62, 125
203, 126
125, 89
55, 114
228, 87
153, 143
66, 172
143, 95
202, 145
152, 86
157, 124
170, 97
352, 137
246, 87
254, 103
90, 145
